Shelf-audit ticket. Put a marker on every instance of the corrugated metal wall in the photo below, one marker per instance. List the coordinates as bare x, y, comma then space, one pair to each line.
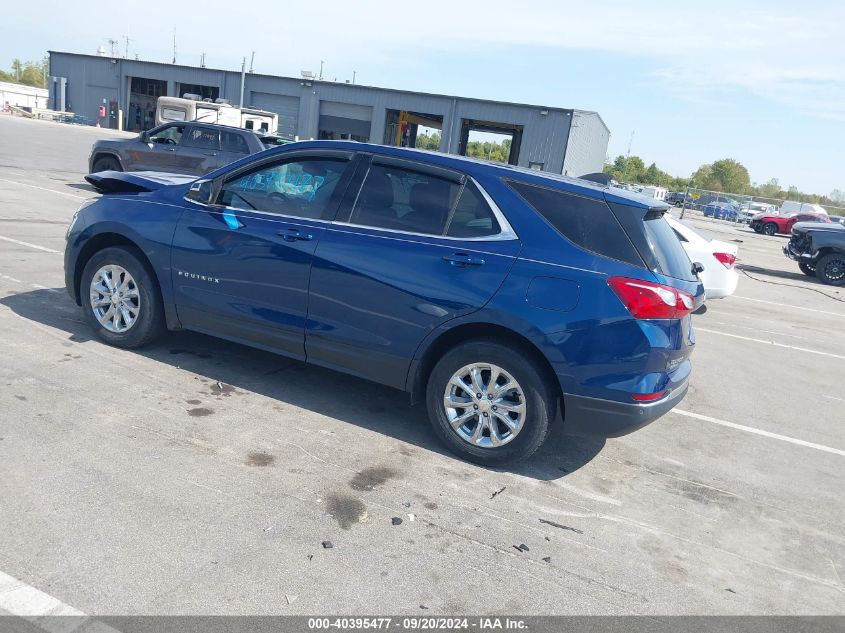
587, 147
546, 131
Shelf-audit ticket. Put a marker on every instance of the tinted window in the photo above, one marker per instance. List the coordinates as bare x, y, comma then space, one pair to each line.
671, 257
203, 138
170, 135
473, 216
302, 188
586, 222
234, 142
404, 200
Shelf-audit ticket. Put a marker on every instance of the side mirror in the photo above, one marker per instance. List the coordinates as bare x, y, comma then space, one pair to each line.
145, 137
201, 192
697, 268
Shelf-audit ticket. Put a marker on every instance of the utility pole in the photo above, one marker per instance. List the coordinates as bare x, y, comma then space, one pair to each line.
126, 50
174, 46
353, 77
321, 70
243, 79
113, 44
251, 60
628, 155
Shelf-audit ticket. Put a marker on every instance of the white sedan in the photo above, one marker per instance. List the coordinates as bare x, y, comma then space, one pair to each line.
719, 276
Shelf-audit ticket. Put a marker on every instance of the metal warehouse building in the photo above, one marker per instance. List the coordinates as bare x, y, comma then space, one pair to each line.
560, 140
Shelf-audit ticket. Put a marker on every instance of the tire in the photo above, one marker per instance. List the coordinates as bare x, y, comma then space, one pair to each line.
807, 269
140, 296
533, 393
770, 228
757, 228
106, 163
830, 269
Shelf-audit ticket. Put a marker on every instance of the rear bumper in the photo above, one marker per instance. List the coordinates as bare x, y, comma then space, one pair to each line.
608, 418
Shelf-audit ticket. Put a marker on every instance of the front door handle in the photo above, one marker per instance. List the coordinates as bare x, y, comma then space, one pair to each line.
211, 153
462, 260
170, 149
293, 235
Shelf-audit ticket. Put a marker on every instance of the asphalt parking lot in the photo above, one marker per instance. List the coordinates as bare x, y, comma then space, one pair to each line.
201, 477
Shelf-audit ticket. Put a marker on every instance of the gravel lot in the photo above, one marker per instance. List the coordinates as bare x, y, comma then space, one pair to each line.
201, 477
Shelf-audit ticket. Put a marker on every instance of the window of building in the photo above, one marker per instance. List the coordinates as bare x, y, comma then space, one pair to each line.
299, 187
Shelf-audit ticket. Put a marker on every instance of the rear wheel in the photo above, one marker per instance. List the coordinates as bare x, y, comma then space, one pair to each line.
488, 403
106, 163
830, 269
807, 269
770, 228
120, 299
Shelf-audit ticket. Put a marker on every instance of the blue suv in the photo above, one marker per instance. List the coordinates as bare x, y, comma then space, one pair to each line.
496, 294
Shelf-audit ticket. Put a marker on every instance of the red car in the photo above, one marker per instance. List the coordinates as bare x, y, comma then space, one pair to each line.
771, 224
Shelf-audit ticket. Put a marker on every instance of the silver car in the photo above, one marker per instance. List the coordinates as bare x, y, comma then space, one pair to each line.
184, 148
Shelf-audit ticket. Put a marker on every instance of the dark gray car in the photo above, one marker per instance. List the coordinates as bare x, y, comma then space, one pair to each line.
184, 148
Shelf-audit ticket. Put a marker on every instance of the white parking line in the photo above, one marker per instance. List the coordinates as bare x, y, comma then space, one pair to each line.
751, 429
773, 343
58, 193
786, 305
36, 246
43, 610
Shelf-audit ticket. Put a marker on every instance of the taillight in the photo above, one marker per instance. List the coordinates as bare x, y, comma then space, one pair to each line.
648, 397
649, 300
726, 259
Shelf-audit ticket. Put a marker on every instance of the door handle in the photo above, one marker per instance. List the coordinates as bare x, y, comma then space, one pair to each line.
462, 260
211, 153
170, 149
293, 235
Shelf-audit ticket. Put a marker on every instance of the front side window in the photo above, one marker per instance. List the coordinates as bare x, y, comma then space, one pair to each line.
203, 138
300, 188
404, 200
170, 135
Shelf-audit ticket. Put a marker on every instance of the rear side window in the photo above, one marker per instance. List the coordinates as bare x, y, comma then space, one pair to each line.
473, 216
234, 142
586, 222
672, 259
203, 138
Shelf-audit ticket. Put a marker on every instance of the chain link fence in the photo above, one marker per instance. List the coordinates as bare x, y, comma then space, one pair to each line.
736, 208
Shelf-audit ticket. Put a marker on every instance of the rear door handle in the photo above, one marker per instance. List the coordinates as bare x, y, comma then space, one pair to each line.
211, 153
462, 260
293, 235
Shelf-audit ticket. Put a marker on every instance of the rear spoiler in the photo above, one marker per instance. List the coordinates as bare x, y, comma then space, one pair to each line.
135, 182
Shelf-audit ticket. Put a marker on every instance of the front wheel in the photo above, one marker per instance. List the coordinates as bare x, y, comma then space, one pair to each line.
807, 269
106, 163
120, 298
488, 403
830, 269
770, 228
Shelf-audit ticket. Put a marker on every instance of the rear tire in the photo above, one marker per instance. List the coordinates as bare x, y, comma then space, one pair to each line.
770, 228
481, 431
807, 269
830, 269
121, 299
106, 163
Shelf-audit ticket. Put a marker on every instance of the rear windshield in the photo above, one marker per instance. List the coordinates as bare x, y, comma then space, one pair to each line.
670, 256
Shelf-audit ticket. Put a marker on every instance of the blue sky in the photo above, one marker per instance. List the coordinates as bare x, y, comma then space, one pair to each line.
761, 82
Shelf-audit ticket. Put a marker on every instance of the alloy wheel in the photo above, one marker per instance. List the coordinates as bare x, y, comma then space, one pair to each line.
485, 405
114, 297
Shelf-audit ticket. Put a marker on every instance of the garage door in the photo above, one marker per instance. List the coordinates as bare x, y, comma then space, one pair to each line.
286, 107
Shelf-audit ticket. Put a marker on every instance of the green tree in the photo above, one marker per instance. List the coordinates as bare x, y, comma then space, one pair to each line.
426, 141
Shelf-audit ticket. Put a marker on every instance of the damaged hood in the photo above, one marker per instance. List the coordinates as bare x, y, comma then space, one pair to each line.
135, 181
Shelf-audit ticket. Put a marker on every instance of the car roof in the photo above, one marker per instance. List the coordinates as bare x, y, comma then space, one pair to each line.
212, 125
465, 163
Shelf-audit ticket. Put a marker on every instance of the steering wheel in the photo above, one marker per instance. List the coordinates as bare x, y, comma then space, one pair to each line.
169, 141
